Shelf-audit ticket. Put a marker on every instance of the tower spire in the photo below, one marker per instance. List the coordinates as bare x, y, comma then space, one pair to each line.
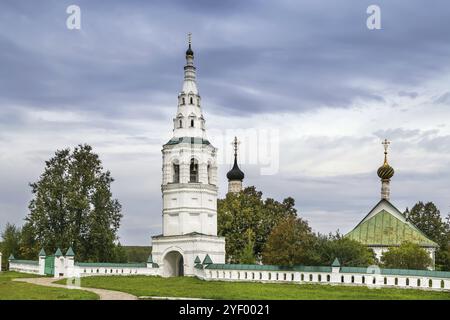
189, 84
385, 172
235, 175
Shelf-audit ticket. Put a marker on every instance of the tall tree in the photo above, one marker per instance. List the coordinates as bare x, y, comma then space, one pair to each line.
72, 205
428, 219
407, 256
290, 243
349, 252
10, 243
244, 211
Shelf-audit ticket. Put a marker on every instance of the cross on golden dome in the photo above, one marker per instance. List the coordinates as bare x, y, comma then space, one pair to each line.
385, 144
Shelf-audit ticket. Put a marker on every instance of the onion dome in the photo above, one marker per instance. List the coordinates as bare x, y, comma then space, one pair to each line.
385, 172
235, 174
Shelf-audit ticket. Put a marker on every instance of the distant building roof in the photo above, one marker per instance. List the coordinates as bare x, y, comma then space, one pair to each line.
385, 225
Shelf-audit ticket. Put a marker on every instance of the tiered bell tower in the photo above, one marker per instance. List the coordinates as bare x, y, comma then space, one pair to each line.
189, 187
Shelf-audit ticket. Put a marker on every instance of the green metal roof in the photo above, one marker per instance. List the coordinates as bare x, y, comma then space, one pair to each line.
70, 252
31, 262
42, 253
197, 260
386, 228
150, 259
207, 260
110, 265
198, 266
11, 257
190, 140
58, 253
257, 267
336, 263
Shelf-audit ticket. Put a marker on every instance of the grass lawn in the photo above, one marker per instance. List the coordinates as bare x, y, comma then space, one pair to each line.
195, 288
11, 290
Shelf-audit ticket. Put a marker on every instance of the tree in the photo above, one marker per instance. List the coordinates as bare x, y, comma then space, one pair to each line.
72, 205
248, 253
244, 211
10, 243
428, 219
289, 243
407, 256
349, 252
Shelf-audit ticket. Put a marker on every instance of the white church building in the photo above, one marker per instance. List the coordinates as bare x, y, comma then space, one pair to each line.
189, 187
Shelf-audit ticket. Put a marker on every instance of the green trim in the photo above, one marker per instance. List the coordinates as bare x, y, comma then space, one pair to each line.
207, 260
110, 265
197, 260
58, 253
336, 263
218, 266
42, 253
399, 272
190, 140
70, 252
31, 262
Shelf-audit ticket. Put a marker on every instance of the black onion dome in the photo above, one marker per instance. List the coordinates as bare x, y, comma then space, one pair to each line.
189, 51
385, 171
235, 173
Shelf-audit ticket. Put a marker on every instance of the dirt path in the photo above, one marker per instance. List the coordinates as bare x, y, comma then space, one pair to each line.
102, 293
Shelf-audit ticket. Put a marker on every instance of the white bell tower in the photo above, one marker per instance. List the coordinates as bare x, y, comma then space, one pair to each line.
189, 187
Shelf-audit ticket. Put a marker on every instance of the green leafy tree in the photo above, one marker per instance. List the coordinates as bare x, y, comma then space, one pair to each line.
290, 243
349, 252
248, 253
244, 211
407, 256
72, 205
10, 243
428, 219
29, 247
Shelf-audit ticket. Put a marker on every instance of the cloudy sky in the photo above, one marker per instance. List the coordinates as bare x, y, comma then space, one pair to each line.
309, 74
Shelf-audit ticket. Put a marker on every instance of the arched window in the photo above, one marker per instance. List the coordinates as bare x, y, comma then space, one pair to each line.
353, 279
310, 277
191, 100
183, 101
363, 279
442, 284
270, 276
407, 281
319, 278
396, 281
193, 177
176, 173
430, 283
180, 123
342, 279
192, 123
208, 169
328, 278
385, 280
418, 282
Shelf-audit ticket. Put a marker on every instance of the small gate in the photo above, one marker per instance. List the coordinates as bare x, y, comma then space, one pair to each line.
49, 265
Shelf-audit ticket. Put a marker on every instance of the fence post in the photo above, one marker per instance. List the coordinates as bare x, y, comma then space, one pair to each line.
42, 256
335, 271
